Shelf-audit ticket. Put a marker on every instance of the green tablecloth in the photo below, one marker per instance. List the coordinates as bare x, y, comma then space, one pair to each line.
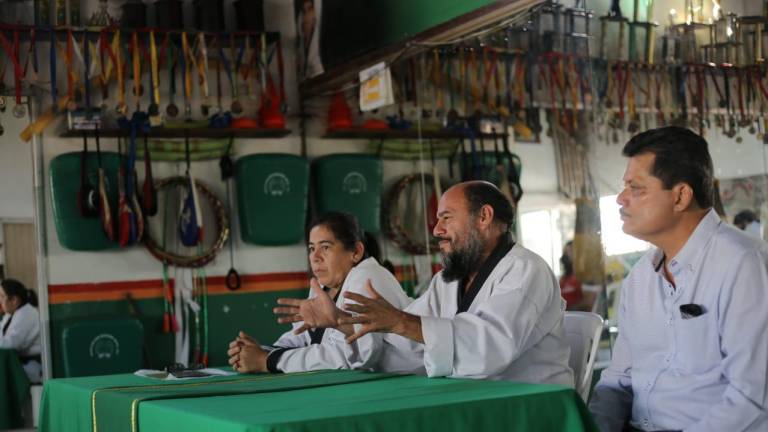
318, 401
14, 386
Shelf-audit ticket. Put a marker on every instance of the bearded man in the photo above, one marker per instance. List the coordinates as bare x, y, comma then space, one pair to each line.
493, 312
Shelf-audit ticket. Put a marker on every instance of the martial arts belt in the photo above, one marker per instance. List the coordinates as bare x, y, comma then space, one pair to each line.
117, 409
587, 247
131, 219
350, 183
272, 191
73, 231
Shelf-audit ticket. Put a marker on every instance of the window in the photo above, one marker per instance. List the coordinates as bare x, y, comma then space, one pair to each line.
540, 233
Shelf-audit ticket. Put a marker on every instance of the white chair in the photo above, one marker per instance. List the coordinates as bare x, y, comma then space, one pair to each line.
582, 330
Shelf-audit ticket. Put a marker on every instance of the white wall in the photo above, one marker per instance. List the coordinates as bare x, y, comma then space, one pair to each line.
16, 193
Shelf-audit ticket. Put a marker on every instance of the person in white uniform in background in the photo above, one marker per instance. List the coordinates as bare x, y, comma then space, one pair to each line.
493, 312
20, 326
339, 264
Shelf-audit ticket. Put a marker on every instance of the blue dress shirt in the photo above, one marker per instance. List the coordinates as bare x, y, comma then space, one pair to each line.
675, 371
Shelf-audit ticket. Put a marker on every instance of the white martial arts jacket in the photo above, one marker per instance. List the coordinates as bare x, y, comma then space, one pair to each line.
330, 353
23, 335
512, 330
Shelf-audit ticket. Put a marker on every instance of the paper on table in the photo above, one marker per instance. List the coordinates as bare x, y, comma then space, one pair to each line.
165, 376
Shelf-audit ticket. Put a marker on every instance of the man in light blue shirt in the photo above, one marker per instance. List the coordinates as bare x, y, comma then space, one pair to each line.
692, 353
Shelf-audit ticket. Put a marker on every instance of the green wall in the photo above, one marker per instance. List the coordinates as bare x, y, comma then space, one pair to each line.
251, 312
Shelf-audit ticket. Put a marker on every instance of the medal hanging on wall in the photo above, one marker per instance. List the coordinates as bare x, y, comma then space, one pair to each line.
19, 110
172, 110
11, 52
52, 72
117, 49
32, 57
155, 118
78, 88
136, 68
237, 106
202, 72
228, 70
108, 63
186, 68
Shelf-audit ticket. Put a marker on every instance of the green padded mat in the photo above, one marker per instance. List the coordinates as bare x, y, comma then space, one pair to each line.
272, 191
74, 231
351, 183
102, 347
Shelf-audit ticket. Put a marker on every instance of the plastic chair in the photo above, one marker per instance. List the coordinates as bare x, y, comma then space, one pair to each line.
582, 330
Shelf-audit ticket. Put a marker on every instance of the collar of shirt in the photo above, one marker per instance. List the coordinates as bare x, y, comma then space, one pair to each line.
691, 251
465, 300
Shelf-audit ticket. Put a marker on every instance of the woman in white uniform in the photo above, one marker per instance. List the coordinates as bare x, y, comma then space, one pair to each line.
339, 263
20, 326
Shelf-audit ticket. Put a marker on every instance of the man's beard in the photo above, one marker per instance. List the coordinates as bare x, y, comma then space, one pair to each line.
460, 262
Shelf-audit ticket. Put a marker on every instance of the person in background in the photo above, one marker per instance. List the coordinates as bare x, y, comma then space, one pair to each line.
570, 287
20, 326
339, 263
748, 222
691, 352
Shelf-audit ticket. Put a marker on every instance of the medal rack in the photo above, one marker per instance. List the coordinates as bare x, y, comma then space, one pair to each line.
237, 61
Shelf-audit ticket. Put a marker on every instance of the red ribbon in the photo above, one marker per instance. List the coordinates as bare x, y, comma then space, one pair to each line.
12, 51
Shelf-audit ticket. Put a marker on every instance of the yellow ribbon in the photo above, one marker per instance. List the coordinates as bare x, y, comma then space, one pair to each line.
153, 66
136, 59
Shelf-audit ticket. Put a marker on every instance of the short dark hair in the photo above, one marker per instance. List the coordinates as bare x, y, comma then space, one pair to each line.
480, 193
745, 217
344, 227
682, 156
14, 288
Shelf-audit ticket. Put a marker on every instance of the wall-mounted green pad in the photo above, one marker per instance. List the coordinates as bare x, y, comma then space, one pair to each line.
102, 347
272, 192
74, 231
351, 183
